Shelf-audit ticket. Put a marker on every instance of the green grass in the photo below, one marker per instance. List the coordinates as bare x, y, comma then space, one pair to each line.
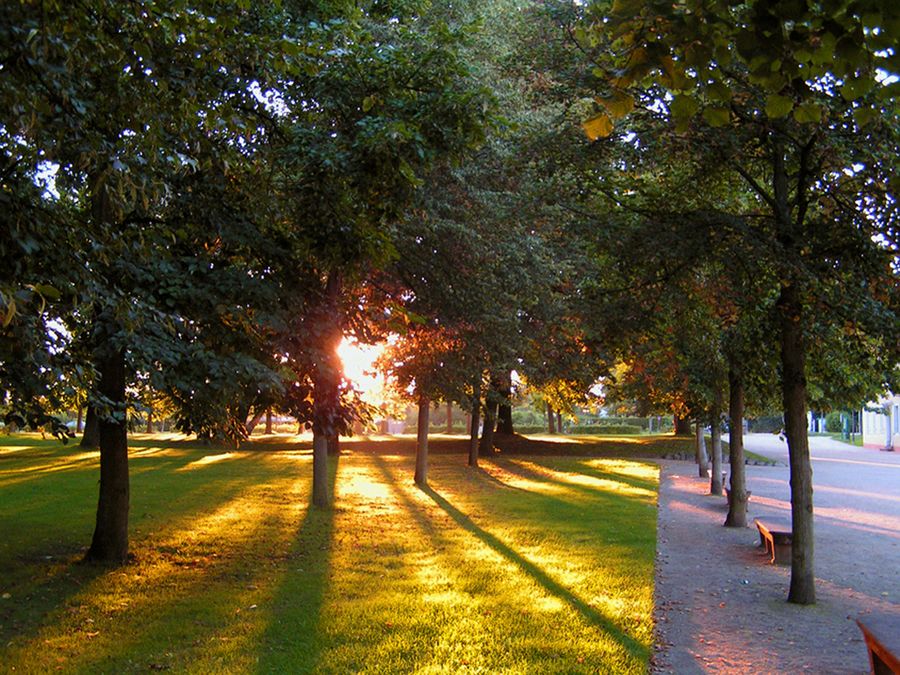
837, 436
529, 564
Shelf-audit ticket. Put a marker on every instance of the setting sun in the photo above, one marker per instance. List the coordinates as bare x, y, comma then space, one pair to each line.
358, 360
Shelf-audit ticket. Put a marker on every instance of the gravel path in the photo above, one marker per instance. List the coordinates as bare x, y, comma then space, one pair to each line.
720, 606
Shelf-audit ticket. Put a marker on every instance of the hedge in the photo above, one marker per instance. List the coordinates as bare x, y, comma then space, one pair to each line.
605, 429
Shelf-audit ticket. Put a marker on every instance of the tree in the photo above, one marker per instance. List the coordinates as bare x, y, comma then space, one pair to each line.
790, 98
129, 120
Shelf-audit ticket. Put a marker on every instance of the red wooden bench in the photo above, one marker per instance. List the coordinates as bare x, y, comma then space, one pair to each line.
882, 634
775, 534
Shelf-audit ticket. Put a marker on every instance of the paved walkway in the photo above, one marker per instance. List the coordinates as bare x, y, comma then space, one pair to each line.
721, 607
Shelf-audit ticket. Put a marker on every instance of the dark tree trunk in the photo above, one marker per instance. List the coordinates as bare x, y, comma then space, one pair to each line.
449, 417
254, 421
551, 419
737, 493
715, 485
78, 424
504, 410
486, 445
268, 421
334, 445
326, 385
682, 426
91, 436
559, 422
149, 422
110, 540
321, 495
700, 452
793, 369
475, 419
421, 477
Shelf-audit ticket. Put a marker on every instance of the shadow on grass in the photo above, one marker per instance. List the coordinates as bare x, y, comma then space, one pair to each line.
594, 493
47, 526
293, 640
537, 574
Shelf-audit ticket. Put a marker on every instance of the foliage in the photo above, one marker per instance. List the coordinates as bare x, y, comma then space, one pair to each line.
834, 421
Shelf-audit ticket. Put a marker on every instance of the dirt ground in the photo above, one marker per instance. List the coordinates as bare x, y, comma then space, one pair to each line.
721, 606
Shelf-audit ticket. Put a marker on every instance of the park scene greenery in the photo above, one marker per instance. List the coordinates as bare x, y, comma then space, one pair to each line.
569, 237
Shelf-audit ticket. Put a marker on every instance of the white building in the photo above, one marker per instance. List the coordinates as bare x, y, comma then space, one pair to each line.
882, 429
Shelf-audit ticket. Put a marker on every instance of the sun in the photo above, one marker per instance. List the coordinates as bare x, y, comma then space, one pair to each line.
358, 360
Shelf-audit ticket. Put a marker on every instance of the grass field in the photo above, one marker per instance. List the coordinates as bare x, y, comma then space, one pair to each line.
530, 564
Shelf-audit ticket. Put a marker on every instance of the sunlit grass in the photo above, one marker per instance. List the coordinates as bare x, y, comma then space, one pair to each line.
529, 564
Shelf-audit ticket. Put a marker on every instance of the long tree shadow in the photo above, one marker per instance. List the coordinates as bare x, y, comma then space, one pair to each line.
293, 640
553, 587
516, 468
46, 585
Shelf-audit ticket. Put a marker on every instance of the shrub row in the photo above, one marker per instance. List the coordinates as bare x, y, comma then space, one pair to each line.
611, 429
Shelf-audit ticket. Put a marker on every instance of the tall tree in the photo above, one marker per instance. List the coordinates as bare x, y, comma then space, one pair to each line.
789, 97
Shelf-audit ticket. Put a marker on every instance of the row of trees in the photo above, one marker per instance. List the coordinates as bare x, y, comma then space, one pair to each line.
199, 207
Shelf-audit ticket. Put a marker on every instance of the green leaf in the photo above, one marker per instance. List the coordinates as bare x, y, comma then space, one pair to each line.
864, 116
778, 106
684, 107
808, 113
409, 174
718, 91
857, 88
47, 291
598, 126
717, 116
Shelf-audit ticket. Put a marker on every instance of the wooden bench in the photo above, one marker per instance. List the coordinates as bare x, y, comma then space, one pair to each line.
775, 534
882, 634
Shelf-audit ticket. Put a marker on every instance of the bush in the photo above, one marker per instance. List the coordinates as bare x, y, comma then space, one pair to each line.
458, 428
834, 422
610, 429
530, 428
640, 422
526, 417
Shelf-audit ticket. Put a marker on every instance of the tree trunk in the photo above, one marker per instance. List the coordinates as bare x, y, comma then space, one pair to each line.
682, 426
268, 421
91, 436
321, 496
700, 454
486, 445
715, 485
78, 426
551, 419
737, 494
110, 541
254, 421
334, 445
326, 388
421, 477
793, 373
449, 417
504, 410
559, 422
475, 419
149, 422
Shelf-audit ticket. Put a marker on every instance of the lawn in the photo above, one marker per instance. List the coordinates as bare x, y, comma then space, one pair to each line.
529, 564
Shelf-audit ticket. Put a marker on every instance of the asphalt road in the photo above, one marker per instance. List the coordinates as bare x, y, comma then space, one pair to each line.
856, 502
